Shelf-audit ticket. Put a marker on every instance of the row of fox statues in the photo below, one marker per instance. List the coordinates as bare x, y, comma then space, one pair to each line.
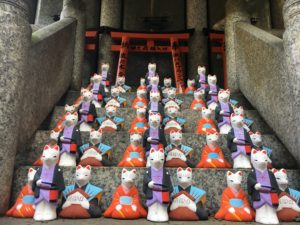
45, 196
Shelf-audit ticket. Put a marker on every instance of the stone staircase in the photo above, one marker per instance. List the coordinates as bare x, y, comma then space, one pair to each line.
211, 180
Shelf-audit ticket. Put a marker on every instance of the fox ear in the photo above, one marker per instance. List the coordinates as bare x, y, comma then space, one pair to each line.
229, 173
264, 152
254, 151
124, 170
179, 169
46, 147
240, 173
78, 167
134, 171
189, 169
56, 147
88, 167
283, 170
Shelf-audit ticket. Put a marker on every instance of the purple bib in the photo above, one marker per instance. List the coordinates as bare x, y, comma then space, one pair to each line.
226, 117
157, 178
67, 134
202, 80
86, 107
213, 98
240, 135
265, 197
47, 176
154, 106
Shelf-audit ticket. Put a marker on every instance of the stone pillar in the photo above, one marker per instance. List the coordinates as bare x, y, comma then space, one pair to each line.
291, 43
46, 10
196, 11
110, 16
235, 12
15, 40
76, 9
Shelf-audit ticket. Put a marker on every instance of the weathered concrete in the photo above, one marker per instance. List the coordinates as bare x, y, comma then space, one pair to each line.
196, 18
46, 9
15, 40
291, 45
263, 79
49, 76
76, 9
110, 15
260, 9
236, 11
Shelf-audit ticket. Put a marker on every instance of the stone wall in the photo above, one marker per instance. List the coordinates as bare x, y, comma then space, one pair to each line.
49, 74
263, 79
46, 9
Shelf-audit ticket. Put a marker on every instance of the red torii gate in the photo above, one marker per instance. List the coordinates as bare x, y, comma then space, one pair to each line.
174, 48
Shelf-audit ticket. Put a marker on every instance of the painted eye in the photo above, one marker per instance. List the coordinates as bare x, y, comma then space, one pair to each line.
86, 175
179, 177
188, 177
277, 178
231, 181
55, 156
151, 159
255, 160
77, 175
161, 159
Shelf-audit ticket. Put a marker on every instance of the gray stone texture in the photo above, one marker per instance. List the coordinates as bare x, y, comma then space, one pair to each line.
196, 17
291, 45
267, 84
92, 9
46, 9
110, 15
49, 76
213, 181
260, 9
14, 45
76, 9
236, 11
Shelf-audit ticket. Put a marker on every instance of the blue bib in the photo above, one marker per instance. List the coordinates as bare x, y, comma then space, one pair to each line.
140, 103
213, 155
125, 200
236, 202
140, 124
198, 105
28, 199
207, 125
134, 155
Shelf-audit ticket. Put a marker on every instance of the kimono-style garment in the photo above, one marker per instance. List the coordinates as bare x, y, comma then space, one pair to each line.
23, 207
71, 142
184, 201
213, 97
225, 118
197, 104
52, 184
177, 156
288, 208
109, 124
139, 125
116, 101
237, 200
139, 103
95, 154
213, 158
189, 90
74, 196
98, 92
89, 112
133, 157
126, 199
173, 124
205, 126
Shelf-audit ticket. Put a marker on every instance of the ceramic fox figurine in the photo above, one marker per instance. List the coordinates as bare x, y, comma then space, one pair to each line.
81, 200
212, 155
140, 100
167, 86
110, 122
69, 141
187, 200
201, 77
177, 154
172, 122
239, 142
206, 124
154, 86
211, 92
140, 123
134, 155
120, 83
60, 123
198, 101
151, 72
263, 189
95, 153
98, 90
190, 87
106, 76
171, 100
115, 98
24, 207
157, 187
86, 111
155, 105
224, 111
234, 203
289, 199
126, 202
47, 185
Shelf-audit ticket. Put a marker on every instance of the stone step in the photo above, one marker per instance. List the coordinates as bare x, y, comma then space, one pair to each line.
192, 117
71, 96
213, 181
119, 141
